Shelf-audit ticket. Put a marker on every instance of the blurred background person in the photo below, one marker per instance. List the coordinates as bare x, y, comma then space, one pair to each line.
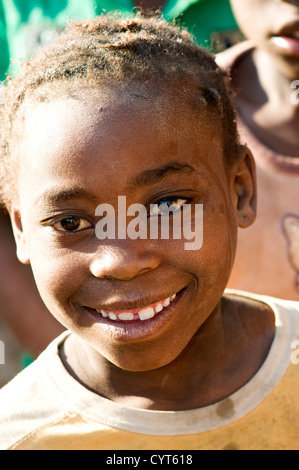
263, 70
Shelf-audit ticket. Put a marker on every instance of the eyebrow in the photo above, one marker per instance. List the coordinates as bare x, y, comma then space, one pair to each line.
151, 177
146, 178
56, 196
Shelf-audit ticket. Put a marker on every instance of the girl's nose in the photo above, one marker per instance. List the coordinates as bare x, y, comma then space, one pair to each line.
121, 262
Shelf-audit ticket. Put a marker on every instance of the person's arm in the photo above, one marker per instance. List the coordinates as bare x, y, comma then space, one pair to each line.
20, 304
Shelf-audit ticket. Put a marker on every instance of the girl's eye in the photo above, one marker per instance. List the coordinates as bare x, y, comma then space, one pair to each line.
166, 205
72, 224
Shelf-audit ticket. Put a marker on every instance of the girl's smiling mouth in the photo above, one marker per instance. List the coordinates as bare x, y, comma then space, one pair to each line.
137, 322
136, 314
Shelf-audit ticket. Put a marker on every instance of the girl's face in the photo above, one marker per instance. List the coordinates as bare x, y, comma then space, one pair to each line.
273, 25
83, 152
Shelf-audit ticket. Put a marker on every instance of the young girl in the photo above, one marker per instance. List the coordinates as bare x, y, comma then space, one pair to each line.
25, 26
263, 71
156, 356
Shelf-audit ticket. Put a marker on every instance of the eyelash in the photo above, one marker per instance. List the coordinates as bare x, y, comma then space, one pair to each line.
169, 199
74, 218
78, 219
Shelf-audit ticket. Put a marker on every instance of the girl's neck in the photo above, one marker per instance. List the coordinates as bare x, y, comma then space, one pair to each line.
224, 355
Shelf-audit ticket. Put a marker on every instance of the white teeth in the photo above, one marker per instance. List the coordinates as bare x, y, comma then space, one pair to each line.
112, 316
146, 313
126, 316
159, 308
104, 314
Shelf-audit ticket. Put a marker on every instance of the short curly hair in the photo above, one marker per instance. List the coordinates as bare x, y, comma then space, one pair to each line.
112, 49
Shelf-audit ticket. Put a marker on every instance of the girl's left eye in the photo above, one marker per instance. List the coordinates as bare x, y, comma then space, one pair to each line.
72, 224
166, 205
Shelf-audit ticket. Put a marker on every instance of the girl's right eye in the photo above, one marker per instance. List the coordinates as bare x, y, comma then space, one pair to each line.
165, 205
72, 224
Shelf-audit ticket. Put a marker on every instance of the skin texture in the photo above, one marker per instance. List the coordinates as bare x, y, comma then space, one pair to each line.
79, 153
262, 82
32, 325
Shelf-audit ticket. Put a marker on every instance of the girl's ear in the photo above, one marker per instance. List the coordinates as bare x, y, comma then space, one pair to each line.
16, 221
244, 188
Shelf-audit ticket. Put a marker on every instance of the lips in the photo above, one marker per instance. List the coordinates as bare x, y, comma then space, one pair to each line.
138, 324
287, 44
287, 39
137, 314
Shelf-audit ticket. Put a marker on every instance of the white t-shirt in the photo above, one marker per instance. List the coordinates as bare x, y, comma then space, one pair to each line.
44, 407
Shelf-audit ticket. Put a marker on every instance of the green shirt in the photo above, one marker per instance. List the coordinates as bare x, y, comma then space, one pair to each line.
26, 24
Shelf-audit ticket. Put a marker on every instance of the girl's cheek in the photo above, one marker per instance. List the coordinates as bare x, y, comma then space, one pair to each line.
57, 276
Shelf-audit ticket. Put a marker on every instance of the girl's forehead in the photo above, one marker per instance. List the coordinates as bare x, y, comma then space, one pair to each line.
109, 114
103, 146
113, 138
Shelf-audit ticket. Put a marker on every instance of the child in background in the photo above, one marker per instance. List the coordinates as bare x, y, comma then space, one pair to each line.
262, 71
156, 355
